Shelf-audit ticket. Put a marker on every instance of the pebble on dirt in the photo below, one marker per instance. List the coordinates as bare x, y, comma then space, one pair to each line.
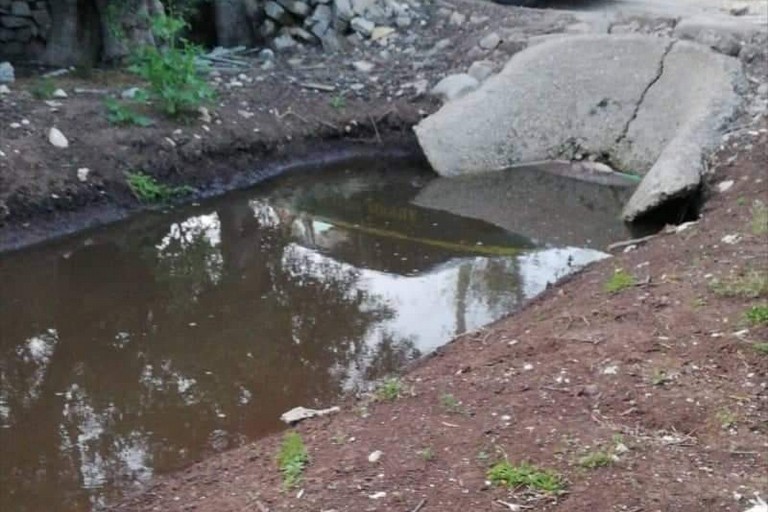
57, 139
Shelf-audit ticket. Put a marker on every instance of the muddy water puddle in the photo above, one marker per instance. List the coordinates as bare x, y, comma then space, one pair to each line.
137, 349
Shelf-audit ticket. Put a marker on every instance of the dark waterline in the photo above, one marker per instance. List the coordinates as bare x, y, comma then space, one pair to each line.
138, 348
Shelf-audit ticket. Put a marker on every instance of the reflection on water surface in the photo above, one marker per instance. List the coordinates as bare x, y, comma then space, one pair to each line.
136, 349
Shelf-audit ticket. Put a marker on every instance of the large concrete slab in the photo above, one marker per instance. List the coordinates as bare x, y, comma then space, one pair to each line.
550, 101
644, 103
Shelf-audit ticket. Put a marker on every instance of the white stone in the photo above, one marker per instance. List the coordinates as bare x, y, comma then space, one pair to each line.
375, 456
362, 26
82, 174
490, 41
724, 186
302, 413
363, 66
57, 139
378, 495
4, 89
457, 18
59, 94
381, 33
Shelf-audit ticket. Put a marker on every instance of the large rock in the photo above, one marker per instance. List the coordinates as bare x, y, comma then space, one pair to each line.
454, 86
626, 97
6, 73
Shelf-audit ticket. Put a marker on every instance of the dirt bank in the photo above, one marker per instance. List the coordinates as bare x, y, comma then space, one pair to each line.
652, 397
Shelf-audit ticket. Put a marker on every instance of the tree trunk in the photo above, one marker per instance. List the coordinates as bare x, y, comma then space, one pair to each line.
86, 32
74, 38
125, 24
233, 27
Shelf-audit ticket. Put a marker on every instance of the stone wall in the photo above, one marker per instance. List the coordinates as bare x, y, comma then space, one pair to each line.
287, 23
24, 26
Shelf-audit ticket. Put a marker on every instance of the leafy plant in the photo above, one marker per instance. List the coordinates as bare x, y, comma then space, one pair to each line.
148, 190
172, 68
525, 475
761, 348
338, 102
389, 390
43, 89
292, 459
427, 454
726, 418
757, 315
121, 114
619, 281
450, 403
596, 459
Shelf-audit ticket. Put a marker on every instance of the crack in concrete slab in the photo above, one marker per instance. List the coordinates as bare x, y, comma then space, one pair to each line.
659, 73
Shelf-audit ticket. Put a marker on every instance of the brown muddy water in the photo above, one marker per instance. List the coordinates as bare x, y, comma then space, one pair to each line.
136, 349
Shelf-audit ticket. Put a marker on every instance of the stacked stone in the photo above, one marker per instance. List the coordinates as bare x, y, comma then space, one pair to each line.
24, 26
290, 22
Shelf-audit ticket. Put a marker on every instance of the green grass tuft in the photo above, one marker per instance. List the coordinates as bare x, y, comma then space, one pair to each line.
759, 221
120, 114
757, 315
451, 404
752, 285
292, 459
761, 348
525, 475
620, 280
389, 390
148, 190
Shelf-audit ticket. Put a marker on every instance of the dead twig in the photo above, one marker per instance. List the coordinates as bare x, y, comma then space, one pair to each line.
375, 128
420, 505
627, 243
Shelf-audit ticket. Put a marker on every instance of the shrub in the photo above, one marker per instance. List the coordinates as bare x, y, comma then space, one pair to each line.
173, 70
292, 459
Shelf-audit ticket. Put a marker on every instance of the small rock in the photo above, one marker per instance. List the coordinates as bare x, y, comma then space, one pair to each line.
363, 66
375, 456
403, 21
266, 54
378, 495
362, 26
731, 239
480, 70
457, 19
739, 10
490, 42
59, 94
4, 89
205, 115
131, 93
527, 367
620, 449
381, 33
7, 75
302, 413
611, 370
57, 139
283, 42
455, 86
82, 174
724, 186
15, 126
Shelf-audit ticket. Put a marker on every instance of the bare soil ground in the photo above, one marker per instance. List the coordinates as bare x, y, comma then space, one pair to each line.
665, 379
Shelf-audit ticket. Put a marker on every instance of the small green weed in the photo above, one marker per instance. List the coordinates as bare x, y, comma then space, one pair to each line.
752, 285
43, 89
120, 114
759, 221
761, 348
338, 102
660, 377
726, 419
525, 475
620, 280
292, 459
148, 190
389, 390
596, 459
757, 315
427, 454
451, 404
483, 456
